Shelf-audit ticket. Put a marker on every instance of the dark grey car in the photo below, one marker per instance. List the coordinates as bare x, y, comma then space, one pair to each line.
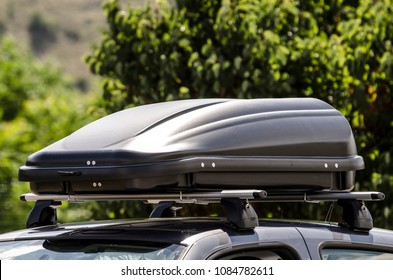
195, 238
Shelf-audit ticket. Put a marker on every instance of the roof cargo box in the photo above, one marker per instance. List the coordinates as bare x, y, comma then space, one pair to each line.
280, 145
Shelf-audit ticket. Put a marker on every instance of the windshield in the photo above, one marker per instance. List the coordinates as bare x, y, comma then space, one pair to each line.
88, 250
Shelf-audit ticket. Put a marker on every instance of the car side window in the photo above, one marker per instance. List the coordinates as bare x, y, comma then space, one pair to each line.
257, 255
354, 254
261, 253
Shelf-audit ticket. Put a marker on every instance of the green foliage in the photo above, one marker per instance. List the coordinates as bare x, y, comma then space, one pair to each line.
339, 51
214, 49
10, 73
38, 106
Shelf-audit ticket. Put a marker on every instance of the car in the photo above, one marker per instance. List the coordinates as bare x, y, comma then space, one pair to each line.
231, 152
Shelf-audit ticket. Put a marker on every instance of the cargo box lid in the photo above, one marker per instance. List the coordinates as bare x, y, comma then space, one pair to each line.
279, 143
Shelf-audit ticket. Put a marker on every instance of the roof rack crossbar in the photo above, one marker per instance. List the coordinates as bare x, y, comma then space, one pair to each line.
210, 197
324, 196
181, 197
240, 213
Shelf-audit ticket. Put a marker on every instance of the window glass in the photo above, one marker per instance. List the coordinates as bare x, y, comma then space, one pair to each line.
41, 250
354, 254
258, 254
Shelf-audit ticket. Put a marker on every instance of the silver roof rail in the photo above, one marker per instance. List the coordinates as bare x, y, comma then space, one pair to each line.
240, 213
180, 197
210, 196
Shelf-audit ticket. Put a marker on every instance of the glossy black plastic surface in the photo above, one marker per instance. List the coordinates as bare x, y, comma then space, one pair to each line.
279, 144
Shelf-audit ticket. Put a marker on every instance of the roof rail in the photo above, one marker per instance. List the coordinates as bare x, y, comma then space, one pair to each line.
240, 213
180, 197
210, 196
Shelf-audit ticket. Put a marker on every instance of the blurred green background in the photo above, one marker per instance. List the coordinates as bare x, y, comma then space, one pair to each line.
63, 65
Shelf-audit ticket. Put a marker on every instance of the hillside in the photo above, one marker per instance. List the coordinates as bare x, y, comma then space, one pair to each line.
58, 31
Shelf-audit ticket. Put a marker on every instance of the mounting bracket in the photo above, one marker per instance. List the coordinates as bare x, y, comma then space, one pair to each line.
43, 213
355, 215
240, 213
165, 209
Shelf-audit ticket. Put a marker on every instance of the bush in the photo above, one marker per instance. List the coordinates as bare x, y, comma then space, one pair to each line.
38, 106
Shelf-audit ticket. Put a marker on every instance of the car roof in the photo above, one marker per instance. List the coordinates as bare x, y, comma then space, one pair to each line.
205, 238
175, 230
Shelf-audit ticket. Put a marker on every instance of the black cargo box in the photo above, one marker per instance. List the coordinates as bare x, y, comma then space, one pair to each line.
291, 144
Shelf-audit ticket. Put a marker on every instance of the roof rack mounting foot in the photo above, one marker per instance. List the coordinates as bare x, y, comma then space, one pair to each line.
356, 216
43, 213
165, 209
240, 213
